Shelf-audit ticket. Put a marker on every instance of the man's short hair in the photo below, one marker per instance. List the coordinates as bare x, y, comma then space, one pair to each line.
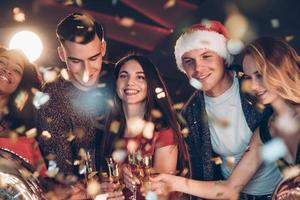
79, 28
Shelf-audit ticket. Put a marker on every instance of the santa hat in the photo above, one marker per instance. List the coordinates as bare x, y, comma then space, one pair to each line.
211, 35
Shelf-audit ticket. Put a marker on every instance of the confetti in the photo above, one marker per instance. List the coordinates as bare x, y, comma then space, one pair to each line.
31, 133
178, 106
52, 169
273, 150
151, 196
127, 22
195, 83
158, 90
119, 155
19, 15
46, 135
275, 23
93, 188
155, 113
289, 38
185, 132
148, 130
135, 126
169, 4
64, 73
50, 76
20, 129
247, 86
230, 161
40, 99
114, 126
21, 100
70, 137
161, 95
216, 160
132, 145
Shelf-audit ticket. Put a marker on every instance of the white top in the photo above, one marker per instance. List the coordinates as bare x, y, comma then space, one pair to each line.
232, 140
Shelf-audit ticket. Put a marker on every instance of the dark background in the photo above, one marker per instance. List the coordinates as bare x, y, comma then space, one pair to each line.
156, 25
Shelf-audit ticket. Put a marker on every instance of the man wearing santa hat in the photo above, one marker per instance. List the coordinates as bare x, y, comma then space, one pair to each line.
204, 53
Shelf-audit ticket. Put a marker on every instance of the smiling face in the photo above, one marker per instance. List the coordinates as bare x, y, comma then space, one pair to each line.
208, 68
11, 72
251, 73
84, 61
131, 83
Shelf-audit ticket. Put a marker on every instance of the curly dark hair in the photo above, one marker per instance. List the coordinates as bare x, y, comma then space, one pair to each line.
30, 79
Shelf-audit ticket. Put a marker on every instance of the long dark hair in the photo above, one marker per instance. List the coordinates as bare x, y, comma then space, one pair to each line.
30, 79
164, 105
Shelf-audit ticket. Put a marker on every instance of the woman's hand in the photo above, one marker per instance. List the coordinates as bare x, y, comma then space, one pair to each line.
163, 184
129, 179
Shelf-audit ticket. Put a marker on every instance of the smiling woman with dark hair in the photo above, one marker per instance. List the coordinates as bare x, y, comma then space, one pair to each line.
137, 95
17, 78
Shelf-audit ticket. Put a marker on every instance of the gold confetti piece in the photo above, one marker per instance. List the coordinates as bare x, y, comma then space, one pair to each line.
64, 73
216, 160
158, 90
119, 155
230, 161
156, 113
93, 188
275, 23
78, 2
50, 76
148, 130
21, 100
127, 22
185, 132
20, 129
70, 137
77, 162
161, 95
19, 15
169, 4
260, 107
132, 145
289, 38
247, 86
114, 126
240, 74
46, 135
135, 126
82, 154
31, 133
178, 106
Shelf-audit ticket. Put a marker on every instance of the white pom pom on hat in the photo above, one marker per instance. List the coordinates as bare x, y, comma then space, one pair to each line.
211, 35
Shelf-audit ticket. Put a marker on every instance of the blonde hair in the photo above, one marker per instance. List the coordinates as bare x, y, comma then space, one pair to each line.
279, 65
